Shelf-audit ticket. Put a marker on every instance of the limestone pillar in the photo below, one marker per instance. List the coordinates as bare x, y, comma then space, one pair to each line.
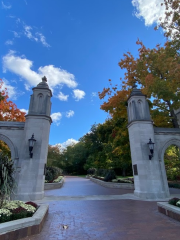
38, 121
147, 173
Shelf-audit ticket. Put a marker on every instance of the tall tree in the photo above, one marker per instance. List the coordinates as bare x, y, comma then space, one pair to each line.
171, 22
157, 72
8, 112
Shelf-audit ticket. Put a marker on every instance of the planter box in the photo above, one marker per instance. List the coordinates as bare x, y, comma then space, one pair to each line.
49, 186
113, 185
17, 229
169, 210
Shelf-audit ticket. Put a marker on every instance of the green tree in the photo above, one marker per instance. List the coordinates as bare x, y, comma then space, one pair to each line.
172, 162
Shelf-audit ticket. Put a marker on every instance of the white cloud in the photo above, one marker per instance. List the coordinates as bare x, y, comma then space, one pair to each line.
62, 97
78, 94
28, 33
56, 117
8, 6
21, 66
9, 42
94, 94
10, 89
16, 34
151, 11
70, 113
24, 110
42, 39
36, 36
64, 145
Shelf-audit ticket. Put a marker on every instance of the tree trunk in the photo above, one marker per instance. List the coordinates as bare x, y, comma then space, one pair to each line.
173, 115
124, 172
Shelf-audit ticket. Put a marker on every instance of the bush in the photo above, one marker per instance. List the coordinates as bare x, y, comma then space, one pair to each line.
91, 171
52, 173
110, 175
32, 204
19, 213
173, 201
49, 176
59, 171
101, 172
174, 185
5, 215
178, 203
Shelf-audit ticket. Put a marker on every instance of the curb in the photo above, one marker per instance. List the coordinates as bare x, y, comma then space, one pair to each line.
49, 186
113, 185
169, 210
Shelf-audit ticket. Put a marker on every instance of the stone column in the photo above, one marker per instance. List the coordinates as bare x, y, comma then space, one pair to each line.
38, 121
147, 173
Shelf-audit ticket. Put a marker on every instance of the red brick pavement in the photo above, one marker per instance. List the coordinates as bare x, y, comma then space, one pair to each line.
106, 220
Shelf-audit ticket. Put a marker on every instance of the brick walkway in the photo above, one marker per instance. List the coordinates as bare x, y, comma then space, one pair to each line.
103, 220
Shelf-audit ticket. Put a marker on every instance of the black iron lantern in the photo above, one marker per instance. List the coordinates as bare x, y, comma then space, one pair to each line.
31, 145
151, 148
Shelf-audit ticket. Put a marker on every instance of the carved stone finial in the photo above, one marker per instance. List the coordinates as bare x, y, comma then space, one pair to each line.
134, 85
44, 79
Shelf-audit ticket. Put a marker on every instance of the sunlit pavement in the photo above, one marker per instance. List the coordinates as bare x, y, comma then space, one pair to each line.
93, 212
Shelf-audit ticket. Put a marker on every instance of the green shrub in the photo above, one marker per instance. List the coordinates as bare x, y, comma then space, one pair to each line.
178, 204
101, 172
91, 171
58, 170
110, 175
5, 215
52, 173
115, 180
49, 175
173, 201
19, 213
174, 185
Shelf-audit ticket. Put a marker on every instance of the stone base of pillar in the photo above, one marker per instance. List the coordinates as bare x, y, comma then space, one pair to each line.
29, 196
152, 195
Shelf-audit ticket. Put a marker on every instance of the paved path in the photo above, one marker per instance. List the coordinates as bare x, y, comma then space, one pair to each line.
84, 206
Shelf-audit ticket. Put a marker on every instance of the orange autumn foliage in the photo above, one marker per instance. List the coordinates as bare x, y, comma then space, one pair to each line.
8, 112
157, 72
8, 109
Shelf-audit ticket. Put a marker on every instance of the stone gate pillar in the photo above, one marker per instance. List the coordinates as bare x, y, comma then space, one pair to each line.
30, 185
147, 173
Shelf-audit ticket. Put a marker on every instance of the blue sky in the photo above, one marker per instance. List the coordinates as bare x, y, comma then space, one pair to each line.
77, 45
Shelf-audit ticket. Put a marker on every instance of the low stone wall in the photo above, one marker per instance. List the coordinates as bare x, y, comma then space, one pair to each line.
21, 228
49, 186
113, 185
169, 210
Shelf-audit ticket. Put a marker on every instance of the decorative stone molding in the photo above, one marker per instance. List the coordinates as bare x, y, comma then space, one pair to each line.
165, 145
13, 148
12, 125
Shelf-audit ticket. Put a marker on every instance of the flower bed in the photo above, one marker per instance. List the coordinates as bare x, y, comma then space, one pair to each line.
13, 210
112, 184
57, 183
58, 179
21, 228
117, 180
170, 208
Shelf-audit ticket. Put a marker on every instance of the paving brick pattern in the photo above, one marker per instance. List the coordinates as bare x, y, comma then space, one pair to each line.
104, 220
